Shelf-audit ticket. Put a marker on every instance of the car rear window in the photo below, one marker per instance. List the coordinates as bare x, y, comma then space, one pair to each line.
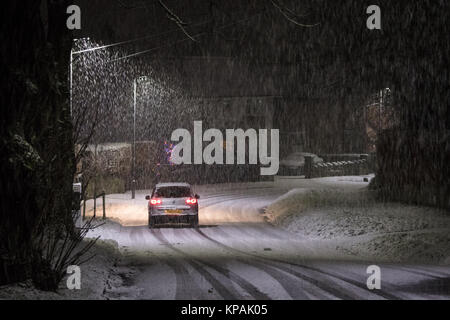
173, 192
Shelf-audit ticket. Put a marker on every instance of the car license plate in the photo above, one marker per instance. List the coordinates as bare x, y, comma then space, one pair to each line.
173, 211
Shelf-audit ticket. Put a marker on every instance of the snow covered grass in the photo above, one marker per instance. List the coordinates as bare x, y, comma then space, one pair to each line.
96, 276
300, 200
363, 227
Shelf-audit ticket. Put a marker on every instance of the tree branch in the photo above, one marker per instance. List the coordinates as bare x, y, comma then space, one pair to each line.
289, 14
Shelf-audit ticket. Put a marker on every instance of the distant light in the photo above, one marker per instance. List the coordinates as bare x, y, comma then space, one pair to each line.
82, 39
143, 78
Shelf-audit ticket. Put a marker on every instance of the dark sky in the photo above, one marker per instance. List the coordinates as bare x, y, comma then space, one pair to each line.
333, 66
221, 28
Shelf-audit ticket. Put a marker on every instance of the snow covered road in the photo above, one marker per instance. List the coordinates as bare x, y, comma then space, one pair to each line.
235, 254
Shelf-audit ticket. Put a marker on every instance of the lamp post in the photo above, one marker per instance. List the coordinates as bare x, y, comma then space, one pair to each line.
133, 161
142, 78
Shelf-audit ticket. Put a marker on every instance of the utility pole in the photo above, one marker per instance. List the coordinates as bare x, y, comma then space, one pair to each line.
133, 163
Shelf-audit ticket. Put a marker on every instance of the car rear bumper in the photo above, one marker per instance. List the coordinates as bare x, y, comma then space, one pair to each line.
173, 219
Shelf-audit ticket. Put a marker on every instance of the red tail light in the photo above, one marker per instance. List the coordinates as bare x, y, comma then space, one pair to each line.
191, 201
155, 201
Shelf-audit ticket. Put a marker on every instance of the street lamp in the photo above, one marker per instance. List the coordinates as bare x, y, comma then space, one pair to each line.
141, 79
133, 162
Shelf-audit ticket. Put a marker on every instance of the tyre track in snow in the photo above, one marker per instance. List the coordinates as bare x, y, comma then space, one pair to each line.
292, 284
427, 273
270, 266
280, 264
283, 280
183, 287
185, 284
286, 266
217, 285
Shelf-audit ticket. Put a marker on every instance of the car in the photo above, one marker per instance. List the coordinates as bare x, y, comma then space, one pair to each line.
172, 203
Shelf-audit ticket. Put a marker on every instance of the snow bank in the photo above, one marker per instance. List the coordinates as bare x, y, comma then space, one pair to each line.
363, 227
96, 276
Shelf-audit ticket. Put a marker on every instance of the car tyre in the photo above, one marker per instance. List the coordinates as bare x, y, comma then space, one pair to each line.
194, 222
151, 223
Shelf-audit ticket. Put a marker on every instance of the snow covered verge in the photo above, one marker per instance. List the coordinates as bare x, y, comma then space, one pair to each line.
97, 275
358, 225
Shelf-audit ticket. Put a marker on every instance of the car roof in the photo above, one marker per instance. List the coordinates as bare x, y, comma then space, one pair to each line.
172, 184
